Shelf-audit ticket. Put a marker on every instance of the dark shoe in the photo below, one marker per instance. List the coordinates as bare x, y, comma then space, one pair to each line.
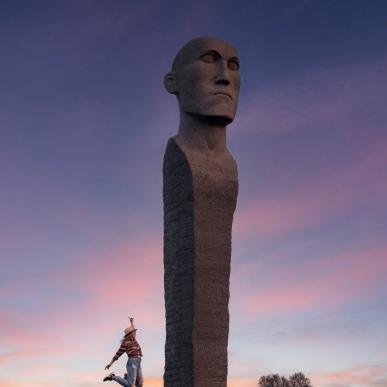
125, 376
109, 377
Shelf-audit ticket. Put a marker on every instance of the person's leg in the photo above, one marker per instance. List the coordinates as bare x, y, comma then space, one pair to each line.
132, 372
139, 380
126, 380
120, 380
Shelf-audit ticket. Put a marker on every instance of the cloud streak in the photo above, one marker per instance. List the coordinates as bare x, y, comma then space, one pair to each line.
314, 285
362, 376
319, 198
108, 285
330, 97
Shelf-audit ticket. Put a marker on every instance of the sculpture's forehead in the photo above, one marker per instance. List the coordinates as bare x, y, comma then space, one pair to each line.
193, 49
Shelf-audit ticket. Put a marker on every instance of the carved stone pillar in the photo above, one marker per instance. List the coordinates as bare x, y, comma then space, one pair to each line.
200, 192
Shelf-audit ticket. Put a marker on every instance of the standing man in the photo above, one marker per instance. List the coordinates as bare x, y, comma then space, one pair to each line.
129, 345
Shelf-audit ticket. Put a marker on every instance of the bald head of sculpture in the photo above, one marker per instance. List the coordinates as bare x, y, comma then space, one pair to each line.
205, 79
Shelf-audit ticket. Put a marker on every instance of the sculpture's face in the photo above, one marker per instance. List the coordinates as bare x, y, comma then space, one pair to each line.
207, 79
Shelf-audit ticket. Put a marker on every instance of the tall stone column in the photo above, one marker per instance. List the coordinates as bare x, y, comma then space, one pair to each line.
200, 187
200, 195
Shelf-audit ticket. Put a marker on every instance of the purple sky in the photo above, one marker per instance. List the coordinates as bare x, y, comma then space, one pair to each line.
84, 121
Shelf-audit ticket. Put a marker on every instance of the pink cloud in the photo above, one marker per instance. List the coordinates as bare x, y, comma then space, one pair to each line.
26, 383
20, 335
326, 283
366, 376
111, 285
360, 182
12, 383
18, 355
125, 276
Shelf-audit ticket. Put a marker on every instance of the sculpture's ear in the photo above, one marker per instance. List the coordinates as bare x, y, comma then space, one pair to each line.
170, 83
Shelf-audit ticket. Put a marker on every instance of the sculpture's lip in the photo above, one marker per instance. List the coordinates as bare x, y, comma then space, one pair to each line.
223, 93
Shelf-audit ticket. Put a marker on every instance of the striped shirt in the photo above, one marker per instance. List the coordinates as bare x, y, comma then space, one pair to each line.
130, 346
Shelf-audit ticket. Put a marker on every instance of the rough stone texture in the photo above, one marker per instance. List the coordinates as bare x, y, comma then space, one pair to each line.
200, 192
178, 267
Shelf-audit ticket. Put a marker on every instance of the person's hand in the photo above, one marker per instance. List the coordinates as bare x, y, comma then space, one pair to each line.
107, 367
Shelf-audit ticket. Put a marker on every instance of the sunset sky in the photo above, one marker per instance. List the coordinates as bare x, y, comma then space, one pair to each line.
84, 121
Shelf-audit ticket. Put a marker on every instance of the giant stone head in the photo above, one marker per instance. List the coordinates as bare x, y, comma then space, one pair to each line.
205, 79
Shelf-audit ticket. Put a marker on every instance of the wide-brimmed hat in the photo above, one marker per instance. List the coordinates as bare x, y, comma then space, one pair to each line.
129, 330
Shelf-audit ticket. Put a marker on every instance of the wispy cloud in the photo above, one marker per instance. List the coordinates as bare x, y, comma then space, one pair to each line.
108, 286
358, 182
333, 97
322, 284
39, 353
13, 383
362, 376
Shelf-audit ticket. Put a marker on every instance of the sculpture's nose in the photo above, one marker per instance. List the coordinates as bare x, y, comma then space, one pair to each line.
222, 76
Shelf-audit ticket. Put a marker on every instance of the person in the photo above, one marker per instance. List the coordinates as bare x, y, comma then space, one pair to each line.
129, 344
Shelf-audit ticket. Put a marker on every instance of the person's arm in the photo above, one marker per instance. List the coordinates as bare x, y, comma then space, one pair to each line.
131, 319
120, 351
109, 365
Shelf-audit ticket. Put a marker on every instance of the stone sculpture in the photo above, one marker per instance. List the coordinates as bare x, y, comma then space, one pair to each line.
200, 191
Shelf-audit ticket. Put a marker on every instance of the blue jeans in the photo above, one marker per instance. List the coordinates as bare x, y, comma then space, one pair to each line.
134, 373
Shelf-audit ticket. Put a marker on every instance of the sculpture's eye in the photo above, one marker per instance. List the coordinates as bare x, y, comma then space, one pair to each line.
233, 64
209, 57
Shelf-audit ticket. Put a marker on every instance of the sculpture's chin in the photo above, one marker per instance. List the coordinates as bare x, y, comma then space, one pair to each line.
217, 120
218, 110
